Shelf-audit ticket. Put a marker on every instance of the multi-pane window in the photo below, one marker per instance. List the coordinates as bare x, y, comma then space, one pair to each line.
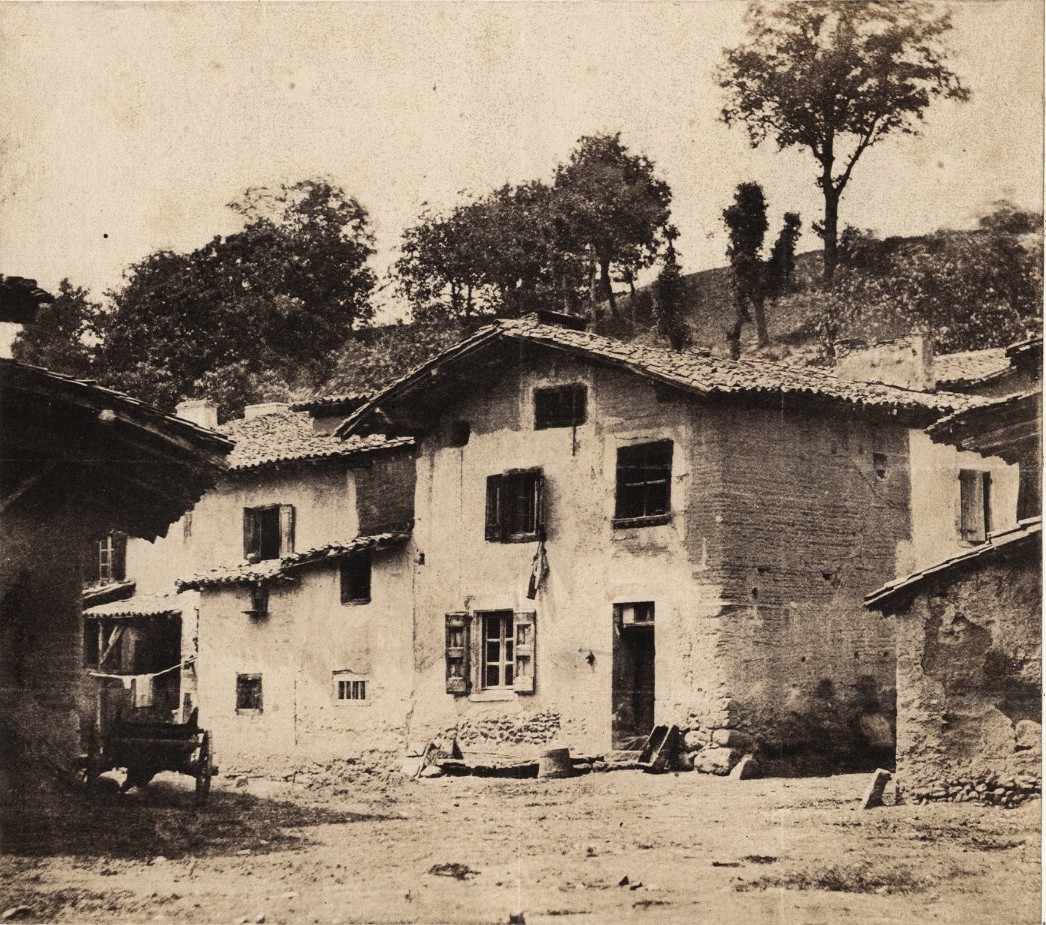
355, 578
975, 520
111, 564
268, 531
513, 506
644, 484
498, 639
351, 689
249, 692
493, 650
560, 406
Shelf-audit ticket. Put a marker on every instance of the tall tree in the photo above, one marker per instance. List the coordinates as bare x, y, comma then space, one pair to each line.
61, 337
247, 316
612, 201
669, 291
746, 225
836, 78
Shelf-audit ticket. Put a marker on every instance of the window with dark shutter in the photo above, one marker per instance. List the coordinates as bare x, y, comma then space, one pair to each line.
974, 505
560, 406
268, 532
249, 693
644, 484
355, 578
514, 507
457, 652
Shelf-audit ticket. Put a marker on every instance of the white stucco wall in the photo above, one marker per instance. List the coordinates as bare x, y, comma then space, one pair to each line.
935, 500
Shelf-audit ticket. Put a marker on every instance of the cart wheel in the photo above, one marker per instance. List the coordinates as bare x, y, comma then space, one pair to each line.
204, 770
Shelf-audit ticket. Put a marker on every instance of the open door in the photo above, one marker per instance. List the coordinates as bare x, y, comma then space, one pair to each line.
633, 675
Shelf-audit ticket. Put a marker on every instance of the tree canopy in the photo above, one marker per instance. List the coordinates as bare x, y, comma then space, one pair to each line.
836, 78
536, 244
61, 337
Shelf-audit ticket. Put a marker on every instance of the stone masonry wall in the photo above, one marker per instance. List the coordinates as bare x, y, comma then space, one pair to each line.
969, 677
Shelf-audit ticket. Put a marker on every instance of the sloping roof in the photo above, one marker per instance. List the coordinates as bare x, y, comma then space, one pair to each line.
696, 373
971, 367
288, 436
1026, 533
20, 298
103, 594
137, 468
1001, 427
332, 404
278, 569
141, 605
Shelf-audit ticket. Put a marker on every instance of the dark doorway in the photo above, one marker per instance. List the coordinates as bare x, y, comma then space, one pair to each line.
633, 676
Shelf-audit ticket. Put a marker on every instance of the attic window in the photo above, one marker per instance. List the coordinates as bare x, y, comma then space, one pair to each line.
560, 406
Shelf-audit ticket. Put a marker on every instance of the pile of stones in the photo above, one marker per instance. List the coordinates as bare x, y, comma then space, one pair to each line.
989, 788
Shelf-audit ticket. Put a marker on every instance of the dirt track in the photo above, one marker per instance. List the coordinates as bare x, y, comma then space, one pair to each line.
695, 849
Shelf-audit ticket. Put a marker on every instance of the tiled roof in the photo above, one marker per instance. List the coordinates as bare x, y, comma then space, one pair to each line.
288, 436
142, 605
1026, 532
277, 569
347, 401
697, 373
970, 367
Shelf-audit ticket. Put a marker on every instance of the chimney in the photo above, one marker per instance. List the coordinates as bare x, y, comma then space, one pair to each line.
198, 410
260, 410
906, 362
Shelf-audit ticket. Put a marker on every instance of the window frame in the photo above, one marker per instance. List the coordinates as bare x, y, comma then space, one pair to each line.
505, 663
647, 607
257, 696
975, 501
559, 413
500, 523
466, 653
623, 520
110, 555
357, 687
254, 544
354, 568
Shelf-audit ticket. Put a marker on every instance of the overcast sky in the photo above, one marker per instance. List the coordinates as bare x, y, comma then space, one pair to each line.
126, 128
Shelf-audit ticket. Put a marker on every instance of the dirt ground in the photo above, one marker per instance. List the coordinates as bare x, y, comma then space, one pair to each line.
693, 848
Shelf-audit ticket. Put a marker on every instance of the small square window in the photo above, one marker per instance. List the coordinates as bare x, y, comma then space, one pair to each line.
349, 689
561, 406
355, 578
249, 693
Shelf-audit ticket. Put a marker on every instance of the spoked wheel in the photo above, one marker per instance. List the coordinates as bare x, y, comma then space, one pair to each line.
204, 771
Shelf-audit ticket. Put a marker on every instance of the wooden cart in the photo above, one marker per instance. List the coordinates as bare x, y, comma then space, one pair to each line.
144, 748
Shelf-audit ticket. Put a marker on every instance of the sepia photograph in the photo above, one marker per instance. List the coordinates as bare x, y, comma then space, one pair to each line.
521, 463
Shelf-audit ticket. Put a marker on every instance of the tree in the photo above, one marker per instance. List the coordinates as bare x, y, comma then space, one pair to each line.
611, 201
669, 292
836, 78
249, 316
60, 338
746, 226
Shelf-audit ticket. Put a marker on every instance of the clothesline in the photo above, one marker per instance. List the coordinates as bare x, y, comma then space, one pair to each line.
154, 674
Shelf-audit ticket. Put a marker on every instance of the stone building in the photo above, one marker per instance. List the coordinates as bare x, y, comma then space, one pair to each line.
285, 591
77, 458
969, 635
609, 536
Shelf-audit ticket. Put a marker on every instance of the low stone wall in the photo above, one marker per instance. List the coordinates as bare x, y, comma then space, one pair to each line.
979, 787
511, 730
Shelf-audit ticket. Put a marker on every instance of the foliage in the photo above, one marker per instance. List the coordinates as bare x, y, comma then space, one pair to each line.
249, 316
612, 201
755, 279
669, 291
968, 290
60, 337
836, 78
536, 245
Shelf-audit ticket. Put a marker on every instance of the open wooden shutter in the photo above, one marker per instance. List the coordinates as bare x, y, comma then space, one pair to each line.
251, 534
971, 506
119, 563
523, 634
492, 530
457, 639
286, 529
539, 503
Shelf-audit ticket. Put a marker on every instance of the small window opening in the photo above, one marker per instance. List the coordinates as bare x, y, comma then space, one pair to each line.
356, 578
349, 689
458, 433
514, 507
879, 465
249, 692
640, 613
644, 483
560, 406
259, 601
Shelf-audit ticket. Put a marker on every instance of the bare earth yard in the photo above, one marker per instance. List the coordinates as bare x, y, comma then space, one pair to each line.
694, 849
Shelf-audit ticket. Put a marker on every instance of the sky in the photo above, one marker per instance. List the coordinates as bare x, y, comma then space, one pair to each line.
127, 128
